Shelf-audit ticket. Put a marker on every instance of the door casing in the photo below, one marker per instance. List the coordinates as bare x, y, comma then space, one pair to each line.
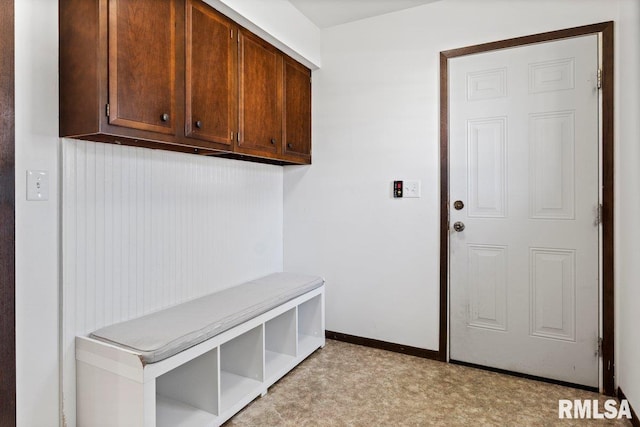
605, 29
7, 217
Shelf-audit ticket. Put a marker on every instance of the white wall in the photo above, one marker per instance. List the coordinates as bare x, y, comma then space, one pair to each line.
376, 119
628, 202
37, 244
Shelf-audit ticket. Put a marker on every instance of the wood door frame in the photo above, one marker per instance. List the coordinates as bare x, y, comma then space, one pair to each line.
7, 218
607, 218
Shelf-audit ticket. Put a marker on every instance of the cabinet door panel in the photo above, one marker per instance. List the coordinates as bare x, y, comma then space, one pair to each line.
211, 92
142, 40
260, 96
297, 109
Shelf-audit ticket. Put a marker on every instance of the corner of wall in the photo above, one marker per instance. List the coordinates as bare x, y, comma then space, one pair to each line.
628, 201
278, 22
37, 222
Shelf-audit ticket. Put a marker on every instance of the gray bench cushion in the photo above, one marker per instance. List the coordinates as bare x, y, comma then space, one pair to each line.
164, 333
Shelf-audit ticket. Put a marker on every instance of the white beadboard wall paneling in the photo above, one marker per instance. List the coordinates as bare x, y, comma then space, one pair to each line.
146, 229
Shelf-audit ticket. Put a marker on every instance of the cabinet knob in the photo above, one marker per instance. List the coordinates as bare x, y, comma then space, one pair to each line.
164, 117
289, 145
198, 124
273, 141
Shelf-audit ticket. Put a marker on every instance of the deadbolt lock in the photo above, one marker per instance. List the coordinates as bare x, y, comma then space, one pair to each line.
458, 205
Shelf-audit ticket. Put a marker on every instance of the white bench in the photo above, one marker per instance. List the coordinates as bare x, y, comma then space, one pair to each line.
200, 362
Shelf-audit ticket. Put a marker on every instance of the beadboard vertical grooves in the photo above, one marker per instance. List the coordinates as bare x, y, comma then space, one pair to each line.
146, 229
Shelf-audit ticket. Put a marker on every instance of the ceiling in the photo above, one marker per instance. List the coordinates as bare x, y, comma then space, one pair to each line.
327, 13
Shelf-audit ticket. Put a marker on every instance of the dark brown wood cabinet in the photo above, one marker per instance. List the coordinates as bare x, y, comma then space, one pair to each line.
275, 102
260, 70
122, 72
297, 111
211, 77
142, 65
178, 75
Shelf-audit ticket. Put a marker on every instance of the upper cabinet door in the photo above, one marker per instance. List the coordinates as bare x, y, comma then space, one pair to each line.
142, 52
211, 88
297, 109
260, 97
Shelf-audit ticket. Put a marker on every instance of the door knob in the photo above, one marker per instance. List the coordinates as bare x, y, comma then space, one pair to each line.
458, 226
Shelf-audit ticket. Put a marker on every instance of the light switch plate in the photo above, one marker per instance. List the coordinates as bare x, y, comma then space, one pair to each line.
411, 188
37, 185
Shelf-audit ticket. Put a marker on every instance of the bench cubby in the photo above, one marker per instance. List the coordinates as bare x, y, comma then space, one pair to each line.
189, 392
241, 368
280, 344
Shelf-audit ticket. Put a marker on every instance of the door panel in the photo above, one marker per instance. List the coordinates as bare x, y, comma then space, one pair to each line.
488, 287
551, 154
553, 287
487, 148
142, 49
524, 275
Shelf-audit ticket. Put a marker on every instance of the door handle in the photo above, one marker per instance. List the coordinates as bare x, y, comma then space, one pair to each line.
458, 226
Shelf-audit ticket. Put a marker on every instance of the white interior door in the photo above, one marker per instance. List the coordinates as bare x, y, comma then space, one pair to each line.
524, 272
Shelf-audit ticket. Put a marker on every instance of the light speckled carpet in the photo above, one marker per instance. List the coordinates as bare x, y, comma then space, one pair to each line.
349, 385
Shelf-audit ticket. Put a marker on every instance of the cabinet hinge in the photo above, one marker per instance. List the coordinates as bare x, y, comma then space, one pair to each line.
599, 79
107, 110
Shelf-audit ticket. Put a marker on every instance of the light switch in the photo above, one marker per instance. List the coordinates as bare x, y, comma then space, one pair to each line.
37, 185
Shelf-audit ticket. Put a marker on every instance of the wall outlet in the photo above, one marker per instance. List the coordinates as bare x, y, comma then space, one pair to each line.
411, 188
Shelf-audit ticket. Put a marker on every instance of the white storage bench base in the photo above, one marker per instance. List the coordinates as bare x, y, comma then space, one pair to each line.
243, 348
